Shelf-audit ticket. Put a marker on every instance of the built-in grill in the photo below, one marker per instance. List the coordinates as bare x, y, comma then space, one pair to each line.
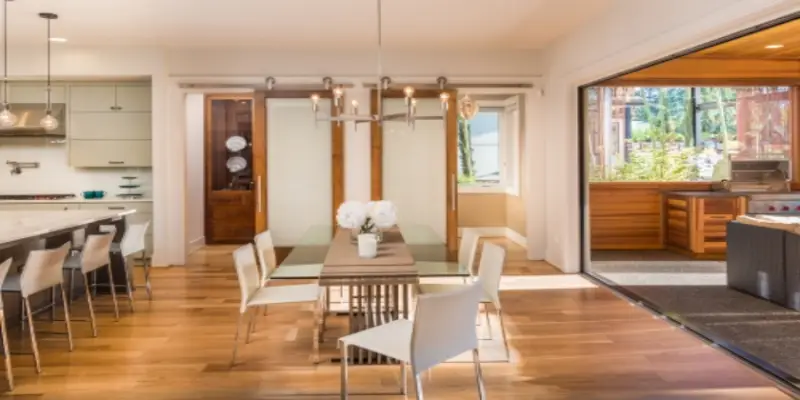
766, 182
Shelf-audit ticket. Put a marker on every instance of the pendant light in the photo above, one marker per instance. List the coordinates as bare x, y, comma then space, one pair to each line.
49, 122
7, 118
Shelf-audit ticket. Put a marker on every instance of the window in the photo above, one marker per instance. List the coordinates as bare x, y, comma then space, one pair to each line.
488, 147
682, 133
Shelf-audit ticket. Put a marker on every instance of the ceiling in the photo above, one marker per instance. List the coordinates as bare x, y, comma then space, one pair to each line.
304, 24
754, 45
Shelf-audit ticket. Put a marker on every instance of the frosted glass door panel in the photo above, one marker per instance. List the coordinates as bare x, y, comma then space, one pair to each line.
299, 187
415, 167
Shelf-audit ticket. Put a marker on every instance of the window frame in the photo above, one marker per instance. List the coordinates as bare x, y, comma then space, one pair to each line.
510, 129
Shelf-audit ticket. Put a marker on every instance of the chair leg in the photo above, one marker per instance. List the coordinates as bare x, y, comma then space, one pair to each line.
52, 304
66, 317
503, 332
113, 292
72, 284
417, 383
343, 373
236, 338
128, 282
6, 352
250, 325
476, 360
316, 337
91, 306
34, 345
488, 321
403, 378
147, 276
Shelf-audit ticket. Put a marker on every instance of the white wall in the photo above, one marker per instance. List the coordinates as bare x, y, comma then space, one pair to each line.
168, 67
195, 138
632, 33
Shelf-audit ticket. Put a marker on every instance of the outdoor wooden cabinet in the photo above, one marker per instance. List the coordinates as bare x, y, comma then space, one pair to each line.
696, 222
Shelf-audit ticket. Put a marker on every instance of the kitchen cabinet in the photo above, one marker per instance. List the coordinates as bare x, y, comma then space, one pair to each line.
35, 92
110, 126
696, 222
110, 153
111, 97
39, 207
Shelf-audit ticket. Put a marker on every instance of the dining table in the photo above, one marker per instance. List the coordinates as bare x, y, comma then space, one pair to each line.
372, 291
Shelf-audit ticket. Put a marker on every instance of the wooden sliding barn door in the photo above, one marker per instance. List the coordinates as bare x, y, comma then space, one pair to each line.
416, 168
298, 165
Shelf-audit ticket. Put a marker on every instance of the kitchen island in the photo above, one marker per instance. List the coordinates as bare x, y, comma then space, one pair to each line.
25, 230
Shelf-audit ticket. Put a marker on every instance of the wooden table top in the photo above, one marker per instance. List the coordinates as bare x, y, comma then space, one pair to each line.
394, 258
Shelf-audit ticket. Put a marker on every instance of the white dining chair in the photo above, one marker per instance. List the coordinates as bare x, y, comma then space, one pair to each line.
43, 270
265, 250
95, 254
4, 267
466, 251
443, 328
256, 294
490, 271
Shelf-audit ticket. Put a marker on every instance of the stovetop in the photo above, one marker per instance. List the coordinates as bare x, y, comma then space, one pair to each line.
41, 196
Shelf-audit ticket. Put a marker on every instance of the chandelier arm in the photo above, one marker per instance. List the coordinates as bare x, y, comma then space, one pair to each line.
5, 53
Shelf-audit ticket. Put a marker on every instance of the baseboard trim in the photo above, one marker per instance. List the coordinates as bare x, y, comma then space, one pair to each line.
498, 231
196, 244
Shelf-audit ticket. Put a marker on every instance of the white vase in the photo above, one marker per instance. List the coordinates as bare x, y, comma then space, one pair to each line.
367, 245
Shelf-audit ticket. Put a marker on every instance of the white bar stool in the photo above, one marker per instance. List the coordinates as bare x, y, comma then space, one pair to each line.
4, 267
43, 270
94, 255
132, 244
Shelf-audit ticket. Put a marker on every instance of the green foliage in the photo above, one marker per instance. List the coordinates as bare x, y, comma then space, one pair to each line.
467, 164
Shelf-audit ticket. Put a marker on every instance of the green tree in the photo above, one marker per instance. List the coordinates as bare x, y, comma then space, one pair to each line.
467, 164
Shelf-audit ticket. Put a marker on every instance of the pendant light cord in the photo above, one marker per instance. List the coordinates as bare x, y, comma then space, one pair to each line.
5, 53
48, 67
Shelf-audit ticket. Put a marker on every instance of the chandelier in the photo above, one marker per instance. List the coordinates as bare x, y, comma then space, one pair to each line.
409, 115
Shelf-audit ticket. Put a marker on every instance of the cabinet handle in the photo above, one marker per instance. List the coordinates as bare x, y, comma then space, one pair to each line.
116, 207
258, 193
116, 162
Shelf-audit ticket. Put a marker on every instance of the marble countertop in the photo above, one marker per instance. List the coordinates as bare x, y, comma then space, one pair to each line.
22, 225
78, 200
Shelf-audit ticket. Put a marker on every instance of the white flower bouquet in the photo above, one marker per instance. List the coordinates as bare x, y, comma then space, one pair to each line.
366, 218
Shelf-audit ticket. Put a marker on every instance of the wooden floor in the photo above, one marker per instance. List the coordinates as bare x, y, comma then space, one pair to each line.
568, 344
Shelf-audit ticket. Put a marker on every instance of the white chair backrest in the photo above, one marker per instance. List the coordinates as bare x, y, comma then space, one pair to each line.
468, 247
247, 271
133, 240
43, 269
4, 267
444, 326
265, 250
490, 270
96, 252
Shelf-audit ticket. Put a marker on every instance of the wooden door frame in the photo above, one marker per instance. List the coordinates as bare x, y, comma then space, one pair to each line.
260, 144
451, 157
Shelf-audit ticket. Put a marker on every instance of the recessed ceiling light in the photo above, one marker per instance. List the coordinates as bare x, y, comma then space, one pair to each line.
58, 39
773, 46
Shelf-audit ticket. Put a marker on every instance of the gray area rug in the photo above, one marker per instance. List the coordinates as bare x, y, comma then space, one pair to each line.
696, 291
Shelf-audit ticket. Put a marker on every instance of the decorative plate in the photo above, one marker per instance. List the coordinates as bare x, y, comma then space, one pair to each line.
235, 143
236, 164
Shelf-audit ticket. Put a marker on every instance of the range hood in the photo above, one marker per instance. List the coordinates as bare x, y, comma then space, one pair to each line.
29, 115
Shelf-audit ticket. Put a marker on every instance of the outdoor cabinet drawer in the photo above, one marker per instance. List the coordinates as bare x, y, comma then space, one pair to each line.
110, 153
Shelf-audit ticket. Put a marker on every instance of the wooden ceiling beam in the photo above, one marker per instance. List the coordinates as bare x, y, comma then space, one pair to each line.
706, 71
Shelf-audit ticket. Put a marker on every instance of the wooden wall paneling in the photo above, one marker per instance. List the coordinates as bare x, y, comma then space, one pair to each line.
260, 160
629, 215
376, 156
337, 167
711, 71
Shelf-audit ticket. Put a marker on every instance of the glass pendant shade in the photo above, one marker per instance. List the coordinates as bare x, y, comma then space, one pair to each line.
7, 118
467, 108
49, 122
